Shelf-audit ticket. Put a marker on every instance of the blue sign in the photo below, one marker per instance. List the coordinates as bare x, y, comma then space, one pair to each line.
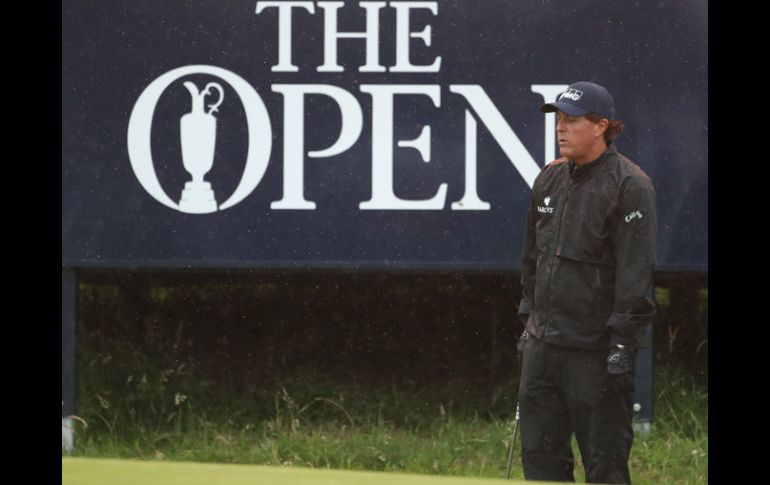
360, 134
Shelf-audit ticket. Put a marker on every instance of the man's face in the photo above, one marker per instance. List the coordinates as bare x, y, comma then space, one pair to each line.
578, 137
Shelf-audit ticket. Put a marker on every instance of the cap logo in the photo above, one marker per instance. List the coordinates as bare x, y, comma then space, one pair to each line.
572, 94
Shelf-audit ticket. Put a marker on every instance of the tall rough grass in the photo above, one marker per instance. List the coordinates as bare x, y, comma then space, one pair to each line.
242, 374
157, 407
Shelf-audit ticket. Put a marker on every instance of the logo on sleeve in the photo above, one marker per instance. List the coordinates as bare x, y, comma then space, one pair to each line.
546, 209
636, 214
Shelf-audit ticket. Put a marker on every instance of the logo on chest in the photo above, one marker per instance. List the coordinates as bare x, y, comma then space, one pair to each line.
545, 209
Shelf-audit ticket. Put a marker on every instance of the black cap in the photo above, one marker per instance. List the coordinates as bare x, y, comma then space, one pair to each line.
582, 98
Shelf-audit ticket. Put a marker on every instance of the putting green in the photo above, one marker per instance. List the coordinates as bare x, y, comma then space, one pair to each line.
87, 471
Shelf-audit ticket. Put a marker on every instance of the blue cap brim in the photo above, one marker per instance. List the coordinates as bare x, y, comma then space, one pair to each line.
567, 108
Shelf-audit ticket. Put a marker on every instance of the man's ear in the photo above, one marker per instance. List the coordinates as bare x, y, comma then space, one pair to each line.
603, 125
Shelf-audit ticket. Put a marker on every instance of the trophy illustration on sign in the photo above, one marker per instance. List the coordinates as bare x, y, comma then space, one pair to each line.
199, 135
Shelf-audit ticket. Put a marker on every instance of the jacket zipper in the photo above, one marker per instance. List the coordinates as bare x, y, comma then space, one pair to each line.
556, 250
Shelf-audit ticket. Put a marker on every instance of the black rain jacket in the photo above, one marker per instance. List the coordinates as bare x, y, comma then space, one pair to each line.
589, 253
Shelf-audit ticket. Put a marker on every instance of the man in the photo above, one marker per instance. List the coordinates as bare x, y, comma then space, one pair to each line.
587, 266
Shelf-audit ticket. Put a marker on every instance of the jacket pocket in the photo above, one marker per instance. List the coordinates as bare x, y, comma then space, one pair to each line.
583, 290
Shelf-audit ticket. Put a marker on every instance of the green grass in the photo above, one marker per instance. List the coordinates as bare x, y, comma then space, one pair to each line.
474, 449
463, 449
82, 471
161, 409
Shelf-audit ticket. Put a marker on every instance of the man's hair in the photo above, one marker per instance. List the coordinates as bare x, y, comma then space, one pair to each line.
614, 129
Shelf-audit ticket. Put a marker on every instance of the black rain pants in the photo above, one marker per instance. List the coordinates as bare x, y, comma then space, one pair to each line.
565, 390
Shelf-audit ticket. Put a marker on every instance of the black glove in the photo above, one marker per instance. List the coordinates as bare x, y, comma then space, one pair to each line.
620, 367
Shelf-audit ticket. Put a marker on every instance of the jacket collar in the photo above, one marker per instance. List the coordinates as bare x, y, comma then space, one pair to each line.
580, 170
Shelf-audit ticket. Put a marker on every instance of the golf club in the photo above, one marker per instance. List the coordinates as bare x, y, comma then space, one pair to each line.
513, 443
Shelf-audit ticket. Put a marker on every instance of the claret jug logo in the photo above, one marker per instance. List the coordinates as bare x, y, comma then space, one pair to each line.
198, 131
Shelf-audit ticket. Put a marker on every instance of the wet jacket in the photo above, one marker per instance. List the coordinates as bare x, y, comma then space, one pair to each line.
589, 253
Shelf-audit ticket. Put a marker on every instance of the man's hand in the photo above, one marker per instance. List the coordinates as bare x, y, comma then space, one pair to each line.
619, 360
620, 368
522, 343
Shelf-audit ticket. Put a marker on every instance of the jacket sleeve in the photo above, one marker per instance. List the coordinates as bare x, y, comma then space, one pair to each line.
528, 263
634, 239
